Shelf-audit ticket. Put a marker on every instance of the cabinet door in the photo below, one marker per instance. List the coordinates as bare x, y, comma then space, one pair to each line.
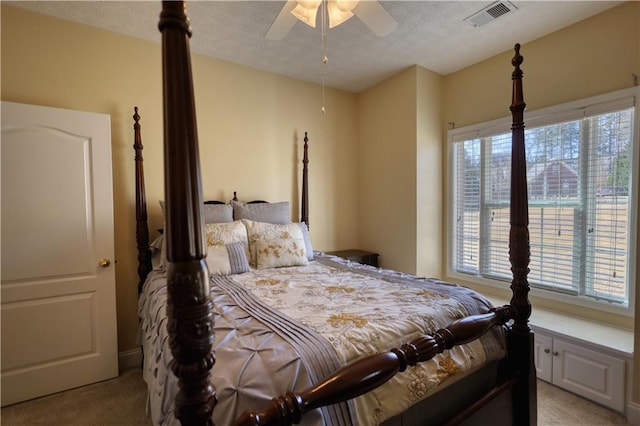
594, 375
542, 356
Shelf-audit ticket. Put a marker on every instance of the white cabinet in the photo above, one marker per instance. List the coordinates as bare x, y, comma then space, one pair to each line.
582, 369
543, 345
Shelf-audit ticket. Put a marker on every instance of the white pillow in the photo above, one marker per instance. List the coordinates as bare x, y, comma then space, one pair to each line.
221, 234
158, 252
307, 239
217, 235
257, 231
227, 259
280, 252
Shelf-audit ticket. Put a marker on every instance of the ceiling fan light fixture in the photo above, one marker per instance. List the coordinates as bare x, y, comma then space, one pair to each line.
337, 15
345, 5
306, 11
339, 11
333, 13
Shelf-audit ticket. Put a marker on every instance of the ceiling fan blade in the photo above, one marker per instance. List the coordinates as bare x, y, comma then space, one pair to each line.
375, 17
283, 22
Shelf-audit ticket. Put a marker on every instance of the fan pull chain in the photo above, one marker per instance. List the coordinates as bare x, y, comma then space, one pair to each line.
325, 59
323, 110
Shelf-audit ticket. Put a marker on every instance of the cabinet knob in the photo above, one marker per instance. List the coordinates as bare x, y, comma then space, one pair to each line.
556, 353
547, 350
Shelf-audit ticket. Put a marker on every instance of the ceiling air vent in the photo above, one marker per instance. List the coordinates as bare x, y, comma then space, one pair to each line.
490, 13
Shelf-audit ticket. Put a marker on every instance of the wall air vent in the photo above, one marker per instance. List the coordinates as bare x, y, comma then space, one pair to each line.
491, 13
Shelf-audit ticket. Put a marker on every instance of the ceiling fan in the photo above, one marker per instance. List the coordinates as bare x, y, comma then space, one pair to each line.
370, 12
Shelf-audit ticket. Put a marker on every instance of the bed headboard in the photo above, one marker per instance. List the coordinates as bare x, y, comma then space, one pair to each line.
142, 224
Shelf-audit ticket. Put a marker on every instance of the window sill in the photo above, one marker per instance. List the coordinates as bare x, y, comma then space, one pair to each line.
618, 315
597, 335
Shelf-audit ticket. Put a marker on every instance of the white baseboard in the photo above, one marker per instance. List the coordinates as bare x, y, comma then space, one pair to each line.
130, 359
633, 413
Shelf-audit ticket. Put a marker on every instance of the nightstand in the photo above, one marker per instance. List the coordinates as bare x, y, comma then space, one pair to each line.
360, 256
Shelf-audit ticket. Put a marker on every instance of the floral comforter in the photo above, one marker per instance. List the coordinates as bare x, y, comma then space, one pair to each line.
284, 328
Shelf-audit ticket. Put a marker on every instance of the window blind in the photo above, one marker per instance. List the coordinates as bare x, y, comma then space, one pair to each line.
579, 176
607, 204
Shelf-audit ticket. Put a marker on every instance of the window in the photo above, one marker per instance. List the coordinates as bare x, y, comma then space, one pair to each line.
579, 182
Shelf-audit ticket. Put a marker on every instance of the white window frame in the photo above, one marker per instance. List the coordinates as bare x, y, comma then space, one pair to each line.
552, 115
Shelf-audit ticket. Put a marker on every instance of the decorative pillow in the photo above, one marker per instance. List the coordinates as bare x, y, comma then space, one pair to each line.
218, 213
280, 252
213, 213
158, 252
221, 234
257, 231
307, 240
228, 259
263, 212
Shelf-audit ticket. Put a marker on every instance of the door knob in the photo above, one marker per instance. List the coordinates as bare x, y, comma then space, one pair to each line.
104, 262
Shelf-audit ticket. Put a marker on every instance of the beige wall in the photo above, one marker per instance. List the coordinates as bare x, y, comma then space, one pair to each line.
251, 125
400, 170
591, 57
429, 166
387, 178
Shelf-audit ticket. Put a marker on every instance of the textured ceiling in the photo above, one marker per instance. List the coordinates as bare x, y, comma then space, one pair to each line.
432, 34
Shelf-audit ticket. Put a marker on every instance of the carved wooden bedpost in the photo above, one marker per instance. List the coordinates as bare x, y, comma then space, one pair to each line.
520, 336
304, 214
142, 229
189, 306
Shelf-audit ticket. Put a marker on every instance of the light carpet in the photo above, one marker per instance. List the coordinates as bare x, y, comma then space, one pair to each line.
121, 402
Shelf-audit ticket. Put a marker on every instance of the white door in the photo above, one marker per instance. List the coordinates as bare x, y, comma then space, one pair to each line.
58, 311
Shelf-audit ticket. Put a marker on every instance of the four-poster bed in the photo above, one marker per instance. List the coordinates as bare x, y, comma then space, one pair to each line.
474, 369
